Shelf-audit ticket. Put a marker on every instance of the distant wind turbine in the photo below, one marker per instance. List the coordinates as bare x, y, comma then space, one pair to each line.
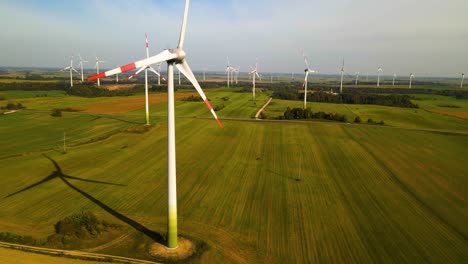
171, 56
411, 77
117, 76
306, 79
81, 66
146, 68
254, 73
342, 74
71, 70
379, 70
463, 78
357, 77
229, 70
97, 68
394, 76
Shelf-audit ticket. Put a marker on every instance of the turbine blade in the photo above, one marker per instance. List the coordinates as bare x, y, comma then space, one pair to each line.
75, 71
66, 68
136, 73
187, 72
184, 25
163, 56
305, 60
157, 73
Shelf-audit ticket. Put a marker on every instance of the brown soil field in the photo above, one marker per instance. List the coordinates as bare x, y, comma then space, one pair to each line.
128, 104
462, 115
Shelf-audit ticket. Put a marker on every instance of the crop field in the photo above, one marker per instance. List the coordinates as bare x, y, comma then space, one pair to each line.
254, 191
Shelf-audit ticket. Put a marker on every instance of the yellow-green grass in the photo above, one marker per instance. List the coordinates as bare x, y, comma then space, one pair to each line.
424, 118
28, 130
365, 194
8, 95
27, 81
12, 256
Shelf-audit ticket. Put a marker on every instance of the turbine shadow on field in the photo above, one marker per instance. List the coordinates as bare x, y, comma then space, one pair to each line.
96, 117
65, 178
283, 176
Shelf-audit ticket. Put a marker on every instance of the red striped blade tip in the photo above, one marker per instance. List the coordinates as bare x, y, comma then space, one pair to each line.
96, 76
219, 123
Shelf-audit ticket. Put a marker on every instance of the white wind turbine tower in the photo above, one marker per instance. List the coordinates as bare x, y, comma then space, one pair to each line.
379, 70
117, 77
342, 73
179, 77
159, 75
97, 68
394, 76
71, 71
146, 68
357, 77
237, 70
411, 77
463, 78
254, 73
306, 79
204, 74
171, 56
81, 66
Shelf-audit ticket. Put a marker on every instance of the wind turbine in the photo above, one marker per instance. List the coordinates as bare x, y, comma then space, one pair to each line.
306, 79
237, 70
228, 71
379, 70
342, 73
173, 57
204, 74
146, 68
411, 77
71, 71
394, 76
357, 77
254, 73
463, 78
81, 66
97, 69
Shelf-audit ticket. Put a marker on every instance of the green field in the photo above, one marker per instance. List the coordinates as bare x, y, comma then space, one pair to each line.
255, 191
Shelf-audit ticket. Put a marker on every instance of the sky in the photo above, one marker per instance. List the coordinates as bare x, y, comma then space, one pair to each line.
427, 38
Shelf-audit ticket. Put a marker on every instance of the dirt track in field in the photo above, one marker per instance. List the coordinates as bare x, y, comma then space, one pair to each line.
128, 104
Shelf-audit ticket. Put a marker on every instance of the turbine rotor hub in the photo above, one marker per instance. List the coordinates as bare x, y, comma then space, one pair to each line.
180, 53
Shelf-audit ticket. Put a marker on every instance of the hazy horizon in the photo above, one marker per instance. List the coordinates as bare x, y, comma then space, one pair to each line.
401, 37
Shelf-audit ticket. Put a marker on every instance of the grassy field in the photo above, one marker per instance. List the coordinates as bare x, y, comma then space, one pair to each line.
432, 114
254, 192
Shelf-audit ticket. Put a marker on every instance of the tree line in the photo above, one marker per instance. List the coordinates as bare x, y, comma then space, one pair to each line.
347, 98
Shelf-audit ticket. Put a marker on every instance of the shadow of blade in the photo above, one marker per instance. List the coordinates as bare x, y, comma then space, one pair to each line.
151, 234
48, 178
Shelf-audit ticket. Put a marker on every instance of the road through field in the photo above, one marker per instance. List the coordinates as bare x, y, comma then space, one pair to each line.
20, 254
